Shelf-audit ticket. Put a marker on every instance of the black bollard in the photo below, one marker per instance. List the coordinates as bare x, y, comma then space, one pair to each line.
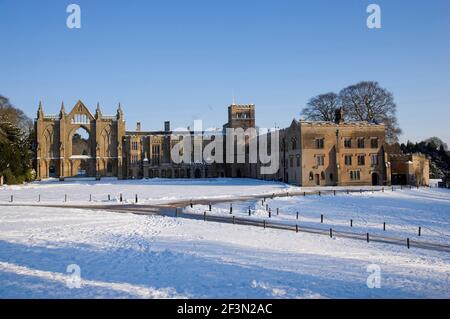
204, 216
334, 192
136, 198
65, 197
231, 208
39, 198
249, 212
384, 225
233, 219
109, 197
319, 193
209, 206
296, 228
264, 224
382, 189
277, 211
12, 198
367, 237
420, 230
321, 218
267, 207
297, 215
190, 203
351, 222
176, 212
407, 242
392, 188
121, 198
90, 197
270, 213
331, 233
304, 194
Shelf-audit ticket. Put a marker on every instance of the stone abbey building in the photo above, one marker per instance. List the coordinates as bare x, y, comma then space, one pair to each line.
80, 143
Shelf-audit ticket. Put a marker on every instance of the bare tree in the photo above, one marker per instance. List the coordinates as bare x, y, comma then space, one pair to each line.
322, 107
367, 101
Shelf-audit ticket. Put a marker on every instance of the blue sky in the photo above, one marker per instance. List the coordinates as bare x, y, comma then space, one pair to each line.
180, 60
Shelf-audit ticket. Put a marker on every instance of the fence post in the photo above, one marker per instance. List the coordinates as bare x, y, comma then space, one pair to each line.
209, 206
136, 198
321, 218
190, 203
12, 198
277, 211
296, 228
297, 215
384, 225
109, 197
331, 232
351, 222
39, 197
121, 198
407, 242
249, 212
367, 237
90, 197
270, 213
264, 224
231, 208
204, 215
420, 230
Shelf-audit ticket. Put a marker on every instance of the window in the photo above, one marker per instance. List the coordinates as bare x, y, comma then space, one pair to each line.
320, 160
361, 142
348, 143
80, 119
374, 143
331, 176
355, 175
311, 176
348, 160
134, 146
361, 159
298, 161
291, 161
294, 143
374, 159
319, 143
109, 168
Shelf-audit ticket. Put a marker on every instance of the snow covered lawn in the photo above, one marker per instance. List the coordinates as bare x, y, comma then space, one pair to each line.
123, 255
149, 190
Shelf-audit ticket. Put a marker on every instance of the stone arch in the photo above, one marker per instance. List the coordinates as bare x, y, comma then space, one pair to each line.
85, 144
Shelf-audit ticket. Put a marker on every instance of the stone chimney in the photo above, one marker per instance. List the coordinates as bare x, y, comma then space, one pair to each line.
167, 126
138, 126
339, 116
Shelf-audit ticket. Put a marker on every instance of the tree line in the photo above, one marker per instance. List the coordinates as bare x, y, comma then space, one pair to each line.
365, 101
16, 141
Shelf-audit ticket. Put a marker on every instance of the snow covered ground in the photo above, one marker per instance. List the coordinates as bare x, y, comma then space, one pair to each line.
123, 255
149, 190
